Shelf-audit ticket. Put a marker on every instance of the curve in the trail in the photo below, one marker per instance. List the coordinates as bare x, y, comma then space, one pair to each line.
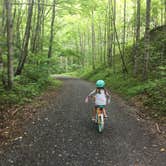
63, 134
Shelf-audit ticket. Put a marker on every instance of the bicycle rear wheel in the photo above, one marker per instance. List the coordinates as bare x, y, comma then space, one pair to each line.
100, 124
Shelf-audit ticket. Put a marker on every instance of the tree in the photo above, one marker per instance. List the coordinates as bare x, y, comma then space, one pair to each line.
24, 49
109, 34
93, 41
114, 35
52, 30
17, 27
147, 38
9, 24
137, 38
100, 42
105, 37
124, 67
124, 28
36, 37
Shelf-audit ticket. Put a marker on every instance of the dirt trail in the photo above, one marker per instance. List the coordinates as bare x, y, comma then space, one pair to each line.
63, 135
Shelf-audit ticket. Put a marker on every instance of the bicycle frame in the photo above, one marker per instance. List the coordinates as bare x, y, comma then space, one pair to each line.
100, 119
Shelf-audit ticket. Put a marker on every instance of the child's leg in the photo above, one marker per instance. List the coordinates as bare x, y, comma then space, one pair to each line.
104, 111
94, 113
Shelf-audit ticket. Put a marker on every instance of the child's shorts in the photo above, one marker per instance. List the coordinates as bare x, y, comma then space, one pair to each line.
99, 106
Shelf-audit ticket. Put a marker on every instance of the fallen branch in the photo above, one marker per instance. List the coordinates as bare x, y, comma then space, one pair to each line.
15, 112
157, 127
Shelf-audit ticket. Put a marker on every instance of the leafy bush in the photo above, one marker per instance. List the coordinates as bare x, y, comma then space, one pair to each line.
34, 79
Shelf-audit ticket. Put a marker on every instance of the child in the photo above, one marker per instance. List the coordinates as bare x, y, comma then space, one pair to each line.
100, 96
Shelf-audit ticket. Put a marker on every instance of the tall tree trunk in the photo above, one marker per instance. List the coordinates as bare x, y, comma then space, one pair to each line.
24, 50
147, 51
93, 42
4, 17
14, 14
105, 36
100, 44
9, 43
81, 44
165, 12
84, 48
1, 67
77, 49
52, 30
35, 41
2, 35
17, 27
124, 29
109, 35
137, 38
1, 61
42, 25
114, 36
66, 64
39, 27
89, 46
124, 67
33, 26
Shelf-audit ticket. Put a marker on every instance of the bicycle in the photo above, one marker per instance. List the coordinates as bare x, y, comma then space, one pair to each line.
100, 119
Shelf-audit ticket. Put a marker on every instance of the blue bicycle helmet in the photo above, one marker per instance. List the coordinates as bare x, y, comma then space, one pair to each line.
100, 84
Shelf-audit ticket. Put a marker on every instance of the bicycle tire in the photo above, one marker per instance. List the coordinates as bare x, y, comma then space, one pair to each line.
100, 124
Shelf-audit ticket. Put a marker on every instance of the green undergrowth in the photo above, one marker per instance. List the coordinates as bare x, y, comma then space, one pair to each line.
152, 93
69, 74
30, 84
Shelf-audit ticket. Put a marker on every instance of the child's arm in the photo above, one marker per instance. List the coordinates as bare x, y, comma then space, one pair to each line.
90, 95
108, 97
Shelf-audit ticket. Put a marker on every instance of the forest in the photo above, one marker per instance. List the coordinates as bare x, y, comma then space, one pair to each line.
120, 41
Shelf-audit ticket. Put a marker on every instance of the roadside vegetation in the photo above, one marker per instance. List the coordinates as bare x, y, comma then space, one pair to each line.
122, 42
149, 94
34, 80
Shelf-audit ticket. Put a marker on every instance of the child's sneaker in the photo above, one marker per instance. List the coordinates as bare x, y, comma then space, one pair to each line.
93, 119
105, 116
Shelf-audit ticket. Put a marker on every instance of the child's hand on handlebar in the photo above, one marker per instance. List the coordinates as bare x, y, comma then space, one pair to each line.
86, 100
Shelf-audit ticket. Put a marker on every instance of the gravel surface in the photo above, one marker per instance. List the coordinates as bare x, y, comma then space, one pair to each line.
62, 134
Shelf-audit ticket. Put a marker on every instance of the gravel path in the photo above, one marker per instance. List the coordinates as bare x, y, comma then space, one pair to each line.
63, 135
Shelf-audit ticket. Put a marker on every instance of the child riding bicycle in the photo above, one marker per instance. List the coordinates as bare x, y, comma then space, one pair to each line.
101, 97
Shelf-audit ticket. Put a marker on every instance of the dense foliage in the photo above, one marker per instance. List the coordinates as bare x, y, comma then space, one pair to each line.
124, 38
32, 82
